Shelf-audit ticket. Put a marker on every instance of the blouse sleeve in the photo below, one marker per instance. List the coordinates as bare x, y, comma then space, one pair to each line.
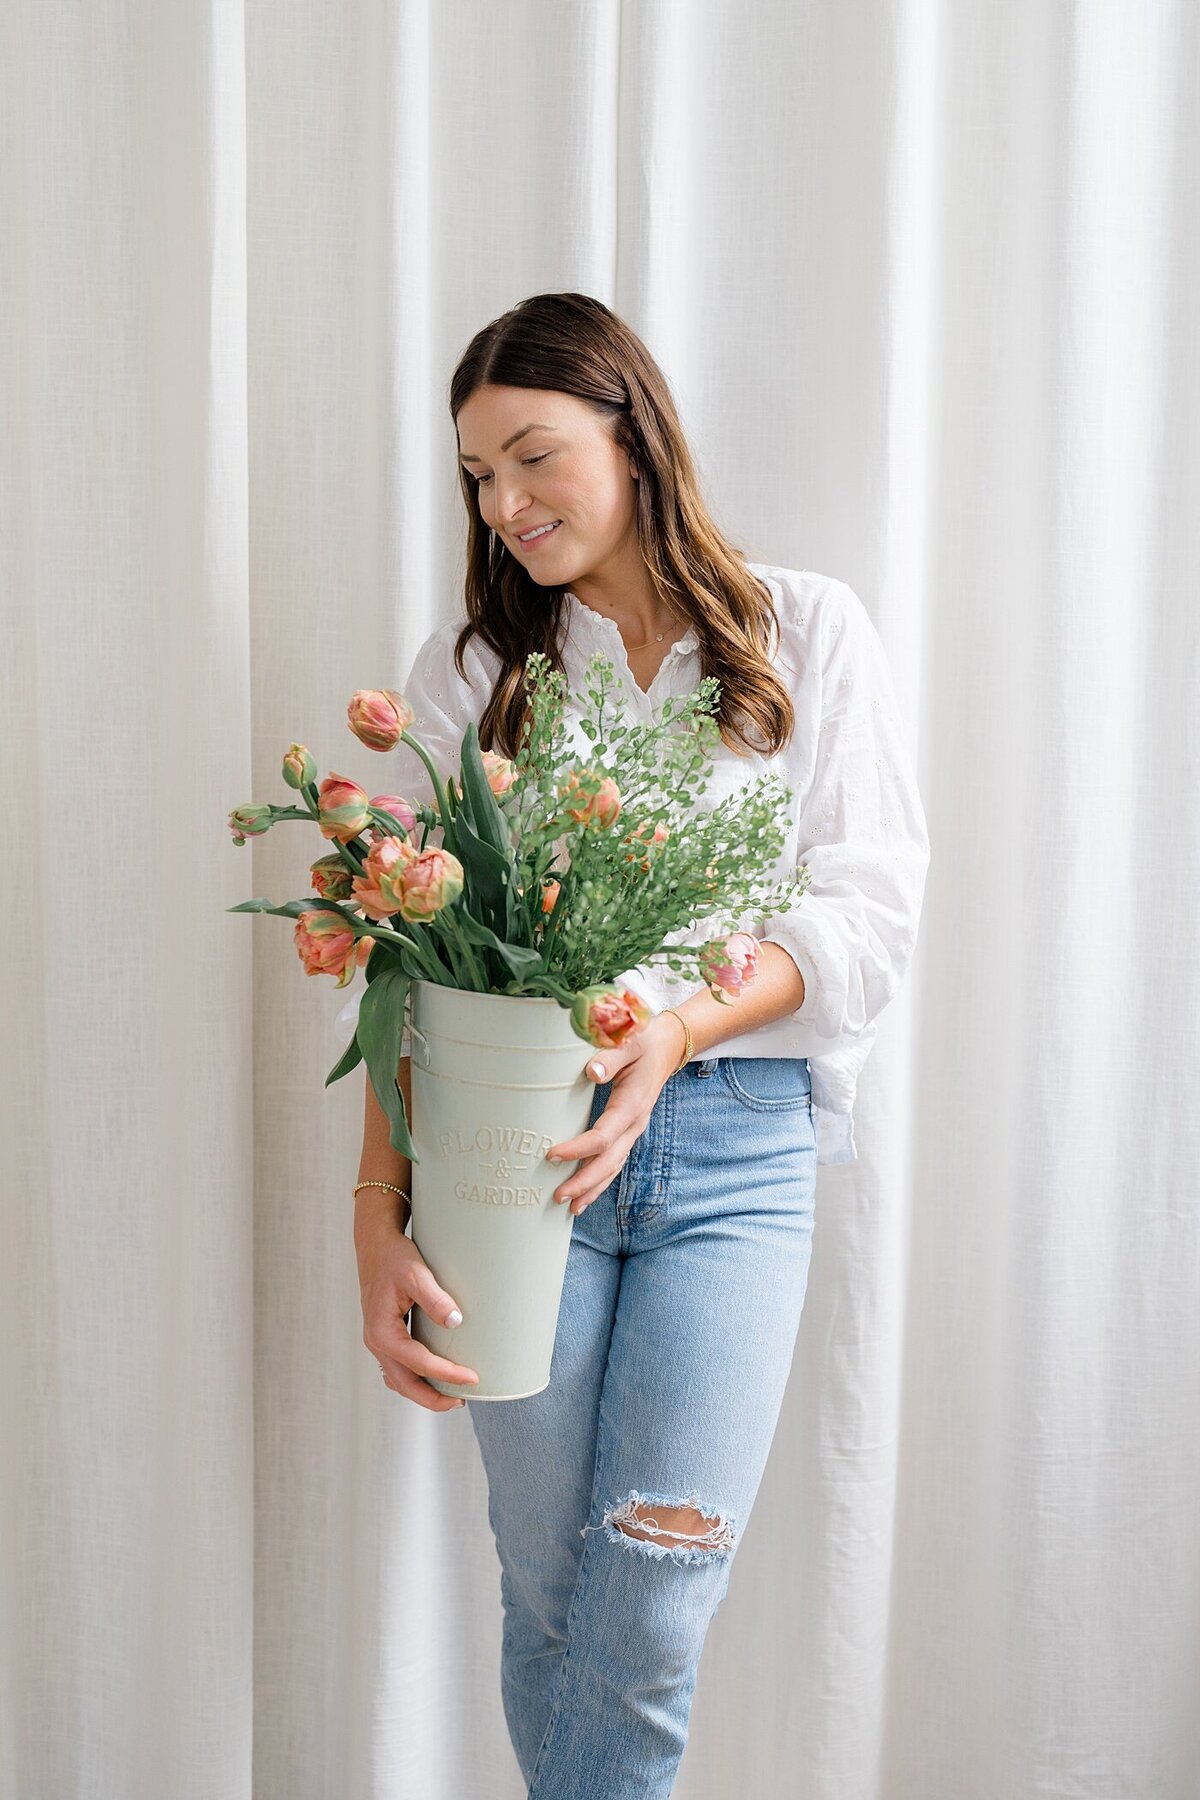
862, 834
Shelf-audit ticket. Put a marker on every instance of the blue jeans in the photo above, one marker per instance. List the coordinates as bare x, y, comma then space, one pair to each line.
684, 1286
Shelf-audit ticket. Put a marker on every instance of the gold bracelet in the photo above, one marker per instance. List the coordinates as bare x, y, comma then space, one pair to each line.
404, 1194
688, 1045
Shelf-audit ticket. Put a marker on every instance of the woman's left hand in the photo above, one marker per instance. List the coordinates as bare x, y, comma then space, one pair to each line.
638, 1069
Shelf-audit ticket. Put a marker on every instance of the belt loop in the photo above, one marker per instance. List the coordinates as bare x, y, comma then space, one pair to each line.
706, 1065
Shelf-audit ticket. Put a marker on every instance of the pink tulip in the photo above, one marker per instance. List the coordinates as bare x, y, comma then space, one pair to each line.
327, 946
299, 769
599, 806
730, 963
341, 808
428, 881
605, 1016
249, 821
379, 891
500, 771
399, 808
331, 879
378, 716
662, 832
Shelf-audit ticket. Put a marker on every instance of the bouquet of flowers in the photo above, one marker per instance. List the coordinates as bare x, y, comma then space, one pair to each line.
550, 874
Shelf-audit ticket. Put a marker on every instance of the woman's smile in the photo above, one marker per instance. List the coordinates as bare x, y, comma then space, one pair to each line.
539, 534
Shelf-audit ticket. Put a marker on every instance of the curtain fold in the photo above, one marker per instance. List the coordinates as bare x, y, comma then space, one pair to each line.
126, 1321
922, 279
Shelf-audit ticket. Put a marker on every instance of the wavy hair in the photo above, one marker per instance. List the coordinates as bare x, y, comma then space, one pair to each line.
573, 344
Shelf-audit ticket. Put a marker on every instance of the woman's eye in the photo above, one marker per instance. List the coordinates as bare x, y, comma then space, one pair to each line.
529, 462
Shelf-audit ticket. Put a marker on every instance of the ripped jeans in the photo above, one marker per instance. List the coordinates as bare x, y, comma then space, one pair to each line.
684, 1286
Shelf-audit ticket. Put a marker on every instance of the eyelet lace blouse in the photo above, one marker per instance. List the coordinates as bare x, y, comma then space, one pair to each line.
856, 818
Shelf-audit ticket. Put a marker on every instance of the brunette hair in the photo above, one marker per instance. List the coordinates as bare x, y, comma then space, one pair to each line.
573, 344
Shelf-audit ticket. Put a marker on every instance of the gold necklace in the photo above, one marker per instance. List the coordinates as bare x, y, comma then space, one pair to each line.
656, 639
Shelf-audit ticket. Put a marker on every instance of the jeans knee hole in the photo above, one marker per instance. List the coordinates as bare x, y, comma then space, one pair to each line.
643, 1522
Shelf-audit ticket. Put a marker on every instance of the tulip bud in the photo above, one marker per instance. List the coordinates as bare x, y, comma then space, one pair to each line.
500, 771
341, 808
250, 821
400, 810
727, 965
299, 768
599, 805
661, 833
605, 1016
550, 896
331, 878
378, 716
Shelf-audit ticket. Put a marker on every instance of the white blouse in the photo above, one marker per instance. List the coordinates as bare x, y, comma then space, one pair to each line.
856, 817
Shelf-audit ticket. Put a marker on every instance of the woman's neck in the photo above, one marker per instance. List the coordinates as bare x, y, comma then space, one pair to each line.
639, 623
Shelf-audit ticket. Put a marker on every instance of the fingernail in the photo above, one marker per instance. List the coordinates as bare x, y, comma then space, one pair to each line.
598, 1069
454, 1317
555, 1160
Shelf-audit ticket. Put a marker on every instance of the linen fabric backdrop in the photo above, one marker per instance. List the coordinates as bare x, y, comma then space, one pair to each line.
923, 280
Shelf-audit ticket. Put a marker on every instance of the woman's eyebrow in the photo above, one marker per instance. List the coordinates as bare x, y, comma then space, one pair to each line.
465, 455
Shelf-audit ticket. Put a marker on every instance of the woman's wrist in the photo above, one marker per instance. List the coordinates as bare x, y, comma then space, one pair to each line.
668, 1033
379, 1209
689, 1044
776, 992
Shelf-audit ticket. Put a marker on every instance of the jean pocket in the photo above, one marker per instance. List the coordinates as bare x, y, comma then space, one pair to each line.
769, 1083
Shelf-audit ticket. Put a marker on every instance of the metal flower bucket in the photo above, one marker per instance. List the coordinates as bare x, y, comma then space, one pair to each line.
496, 1080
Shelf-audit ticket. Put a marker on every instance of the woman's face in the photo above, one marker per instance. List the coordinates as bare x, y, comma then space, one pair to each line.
566, 469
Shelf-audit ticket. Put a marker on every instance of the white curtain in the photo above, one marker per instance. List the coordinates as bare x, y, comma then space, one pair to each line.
923, 278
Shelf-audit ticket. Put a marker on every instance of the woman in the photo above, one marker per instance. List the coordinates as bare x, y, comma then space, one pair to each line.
619, 1494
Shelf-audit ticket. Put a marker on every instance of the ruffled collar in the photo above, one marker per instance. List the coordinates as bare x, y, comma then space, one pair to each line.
586, 620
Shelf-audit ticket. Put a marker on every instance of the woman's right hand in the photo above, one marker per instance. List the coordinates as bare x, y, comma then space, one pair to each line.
393, 1276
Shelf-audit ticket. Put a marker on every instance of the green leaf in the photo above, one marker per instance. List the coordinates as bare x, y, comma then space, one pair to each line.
349, 1060
291, 909
519, 958
486, 818
489, 872
380, 1034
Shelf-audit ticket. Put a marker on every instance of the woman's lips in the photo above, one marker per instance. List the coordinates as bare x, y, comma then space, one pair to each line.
542, 538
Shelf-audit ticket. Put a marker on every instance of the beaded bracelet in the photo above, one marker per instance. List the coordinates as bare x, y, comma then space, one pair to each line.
688, 1045
404, 1195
